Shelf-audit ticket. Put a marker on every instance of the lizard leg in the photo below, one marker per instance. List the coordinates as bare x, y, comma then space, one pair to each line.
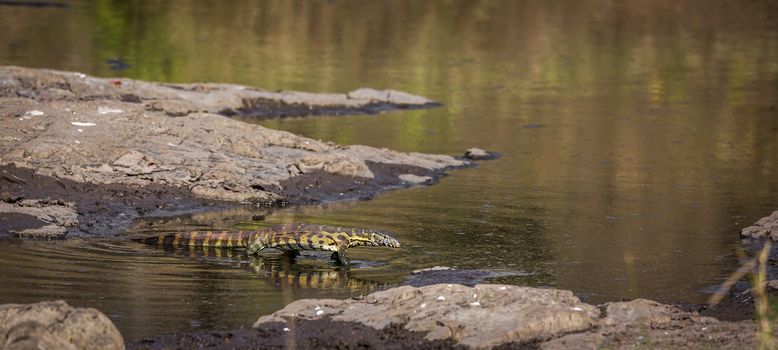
342, 258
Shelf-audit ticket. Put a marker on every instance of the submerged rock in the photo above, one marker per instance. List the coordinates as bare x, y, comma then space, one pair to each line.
56, 325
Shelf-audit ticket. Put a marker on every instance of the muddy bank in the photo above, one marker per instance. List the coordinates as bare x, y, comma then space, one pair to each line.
483, 316
129, 147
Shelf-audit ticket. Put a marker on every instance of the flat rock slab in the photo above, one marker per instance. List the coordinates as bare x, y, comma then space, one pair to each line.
56, 325
92, 130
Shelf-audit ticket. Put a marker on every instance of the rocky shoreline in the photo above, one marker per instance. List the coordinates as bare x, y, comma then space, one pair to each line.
116, 149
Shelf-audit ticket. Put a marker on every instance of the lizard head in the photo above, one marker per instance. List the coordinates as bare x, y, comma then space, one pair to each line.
373, 238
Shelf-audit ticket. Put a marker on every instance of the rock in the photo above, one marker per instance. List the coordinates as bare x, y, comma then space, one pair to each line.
415, 179
764, 227
482, 316
56, 325
478, 154
213, 156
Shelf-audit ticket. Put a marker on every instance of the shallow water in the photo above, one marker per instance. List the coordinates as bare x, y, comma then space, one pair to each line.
636, 139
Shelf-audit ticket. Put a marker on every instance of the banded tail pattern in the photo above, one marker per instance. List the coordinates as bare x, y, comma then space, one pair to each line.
206, 239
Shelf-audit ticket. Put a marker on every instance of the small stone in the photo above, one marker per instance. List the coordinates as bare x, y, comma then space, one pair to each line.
415, 179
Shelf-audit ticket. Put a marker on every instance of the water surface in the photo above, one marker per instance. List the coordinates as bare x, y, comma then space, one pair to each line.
636, 139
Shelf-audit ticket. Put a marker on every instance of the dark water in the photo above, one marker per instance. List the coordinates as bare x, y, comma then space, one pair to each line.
637, 139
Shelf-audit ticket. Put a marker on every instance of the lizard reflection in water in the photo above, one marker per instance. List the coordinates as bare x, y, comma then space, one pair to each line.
289, 238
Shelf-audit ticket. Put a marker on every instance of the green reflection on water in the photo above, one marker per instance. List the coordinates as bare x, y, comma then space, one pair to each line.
637, 137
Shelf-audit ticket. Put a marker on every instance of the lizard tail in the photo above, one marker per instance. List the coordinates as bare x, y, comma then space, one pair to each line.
216, 239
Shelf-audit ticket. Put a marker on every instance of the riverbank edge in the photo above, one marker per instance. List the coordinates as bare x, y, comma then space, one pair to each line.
115, 149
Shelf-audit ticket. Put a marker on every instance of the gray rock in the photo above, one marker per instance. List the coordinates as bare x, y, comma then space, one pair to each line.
482, 316
56, 325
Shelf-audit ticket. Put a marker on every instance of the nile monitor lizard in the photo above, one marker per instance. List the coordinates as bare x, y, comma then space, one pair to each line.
288, 238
